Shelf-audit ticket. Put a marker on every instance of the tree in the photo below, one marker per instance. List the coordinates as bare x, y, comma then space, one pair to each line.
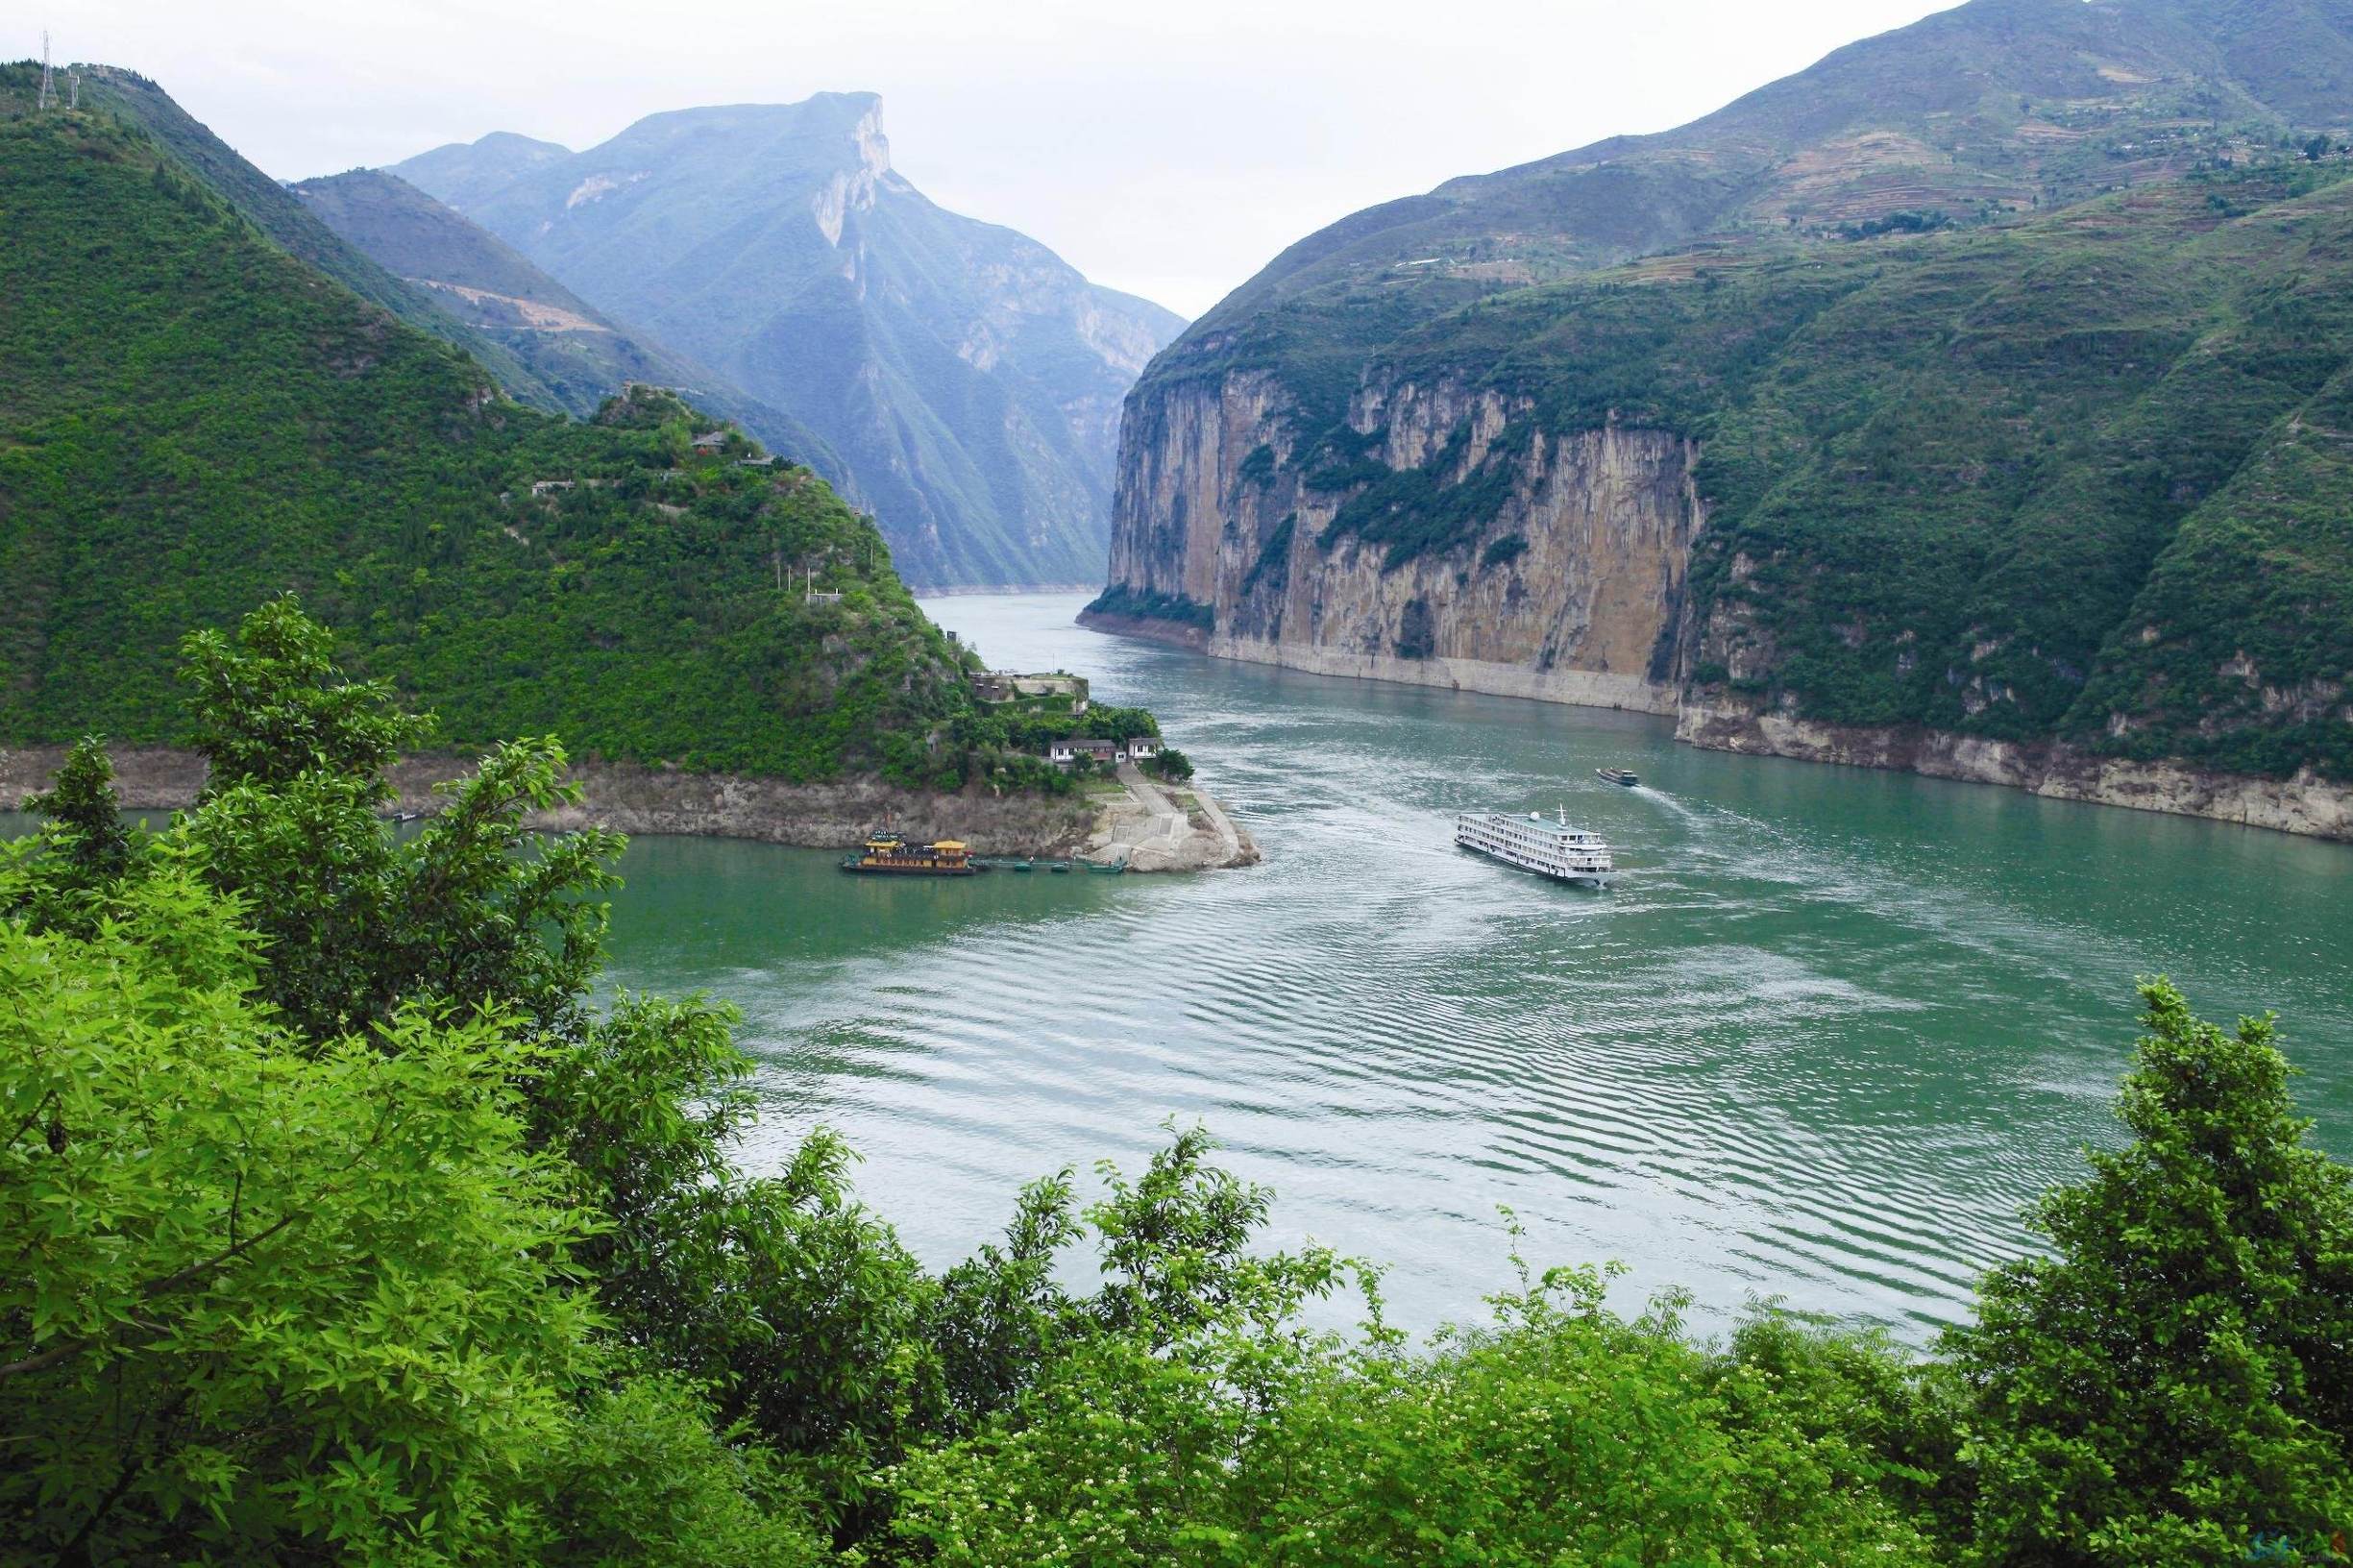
2176, 1378
84, 836
262, 1300
471, 911
2316, 149
271, 706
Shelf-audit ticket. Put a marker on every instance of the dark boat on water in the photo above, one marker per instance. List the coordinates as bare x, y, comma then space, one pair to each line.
889, 854
1620, 775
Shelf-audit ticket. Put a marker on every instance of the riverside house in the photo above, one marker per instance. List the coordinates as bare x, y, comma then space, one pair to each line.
1072, 750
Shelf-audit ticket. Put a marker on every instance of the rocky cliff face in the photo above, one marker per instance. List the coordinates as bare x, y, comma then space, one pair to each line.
967, 378
1571, 589
1985, 382
1575, 587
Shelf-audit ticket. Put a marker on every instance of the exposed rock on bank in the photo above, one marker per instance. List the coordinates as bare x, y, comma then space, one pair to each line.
1173, 633
2300, 805
635, 799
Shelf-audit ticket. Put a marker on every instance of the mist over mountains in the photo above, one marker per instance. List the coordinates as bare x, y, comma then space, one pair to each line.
968, 379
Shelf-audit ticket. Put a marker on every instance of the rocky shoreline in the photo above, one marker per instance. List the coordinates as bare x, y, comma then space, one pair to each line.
1193, 639
2303, 804
833, 815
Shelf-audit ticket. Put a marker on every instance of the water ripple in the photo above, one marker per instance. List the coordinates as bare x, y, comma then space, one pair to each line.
1831, 1036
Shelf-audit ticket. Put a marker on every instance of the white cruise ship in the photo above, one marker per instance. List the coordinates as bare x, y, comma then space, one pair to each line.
1553, 849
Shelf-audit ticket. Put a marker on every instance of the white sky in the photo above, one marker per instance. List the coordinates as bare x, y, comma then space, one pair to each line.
1169, 150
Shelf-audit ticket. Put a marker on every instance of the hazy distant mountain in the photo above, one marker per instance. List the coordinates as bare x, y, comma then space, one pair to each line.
969, 378
579, 354
460, 172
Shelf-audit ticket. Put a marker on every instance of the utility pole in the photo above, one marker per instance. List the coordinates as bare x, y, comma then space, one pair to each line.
48, 98
73, 89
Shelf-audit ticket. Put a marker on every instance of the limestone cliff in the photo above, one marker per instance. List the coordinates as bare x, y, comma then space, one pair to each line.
1986, 381
1570, 581
1570, 589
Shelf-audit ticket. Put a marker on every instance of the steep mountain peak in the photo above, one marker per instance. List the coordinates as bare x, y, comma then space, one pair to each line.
970, 378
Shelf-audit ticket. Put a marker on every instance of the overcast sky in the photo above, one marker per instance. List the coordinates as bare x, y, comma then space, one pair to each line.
1168, 149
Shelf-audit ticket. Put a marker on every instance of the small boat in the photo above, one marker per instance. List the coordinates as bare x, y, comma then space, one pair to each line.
1059, 865
1107, 867
1620, 775
1016, 864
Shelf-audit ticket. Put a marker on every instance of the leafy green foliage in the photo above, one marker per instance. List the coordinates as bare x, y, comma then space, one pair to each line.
1273, 565
1435, 508
1503, 551
2178, 1375
88, 843
462, 1268
261, 1296
1150, 606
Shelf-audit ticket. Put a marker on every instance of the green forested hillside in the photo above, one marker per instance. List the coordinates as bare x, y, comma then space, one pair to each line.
273, 210
2014, 341
2081, 475
192, 420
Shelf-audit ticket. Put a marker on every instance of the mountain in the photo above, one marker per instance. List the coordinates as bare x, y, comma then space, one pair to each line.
580, 355
192, 419
1963, 403
969, 379
282, 218
461, 172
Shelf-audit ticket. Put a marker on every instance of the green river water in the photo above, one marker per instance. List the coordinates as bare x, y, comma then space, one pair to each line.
1831, 1034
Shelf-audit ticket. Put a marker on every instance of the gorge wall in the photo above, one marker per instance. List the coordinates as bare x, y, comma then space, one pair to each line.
1570, 590
1571, 583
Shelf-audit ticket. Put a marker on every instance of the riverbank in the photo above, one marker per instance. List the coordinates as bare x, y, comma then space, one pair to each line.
2304, 804
831, 815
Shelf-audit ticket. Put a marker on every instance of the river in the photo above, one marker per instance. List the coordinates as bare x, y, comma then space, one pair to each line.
1830, 1035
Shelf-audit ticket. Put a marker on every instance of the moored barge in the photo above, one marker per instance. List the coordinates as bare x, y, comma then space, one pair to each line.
889, 854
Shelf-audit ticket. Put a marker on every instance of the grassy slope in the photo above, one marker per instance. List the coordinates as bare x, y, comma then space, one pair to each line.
191, 418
